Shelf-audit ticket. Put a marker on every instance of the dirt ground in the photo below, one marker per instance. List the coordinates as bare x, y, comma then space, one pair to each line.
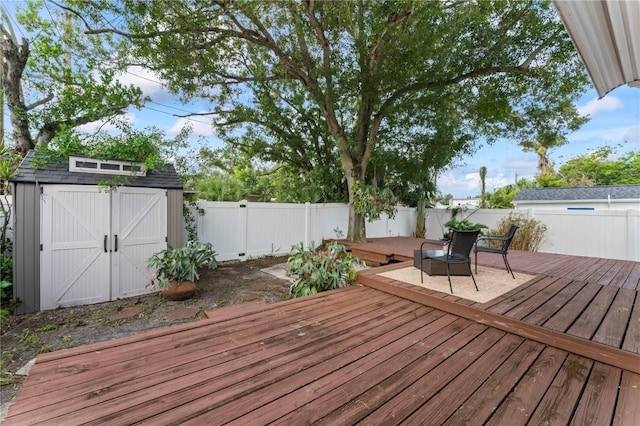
23, 337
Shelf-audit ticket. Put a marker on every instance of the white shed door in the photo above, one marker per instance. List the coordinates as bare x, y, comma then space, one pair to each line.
95, 242
139, 228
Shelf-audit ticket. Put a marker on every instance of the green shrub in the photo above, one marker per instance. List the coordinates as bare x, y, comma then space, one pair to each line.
371, 202
460, 225
530, 235
4, 302
320, 270
6, 267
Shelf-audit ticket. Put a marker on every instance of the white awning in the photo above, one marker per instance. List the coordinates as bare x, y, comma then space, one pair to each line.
606, 34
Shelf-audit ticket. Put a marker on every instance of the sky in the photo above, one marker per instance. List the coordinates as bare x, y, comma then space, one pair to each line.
614, 120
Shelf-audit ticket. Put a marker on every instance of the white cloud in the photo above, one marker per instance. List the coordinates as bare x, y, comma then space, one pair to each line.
147, 81
104, 126
608, 103
606, 136
200, 126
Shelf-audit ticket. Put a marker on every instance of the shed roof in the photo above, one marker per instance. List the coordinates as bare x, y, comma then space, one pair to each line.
59, 174
614, 192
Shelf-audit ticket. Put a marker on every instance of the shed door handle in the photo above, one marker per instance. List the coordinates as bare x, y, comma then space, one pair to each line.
116, 245
105, 243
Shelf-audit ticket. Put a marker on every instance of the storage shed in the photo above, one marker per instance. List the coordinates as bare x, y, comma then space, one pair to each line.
613, 197
79, 239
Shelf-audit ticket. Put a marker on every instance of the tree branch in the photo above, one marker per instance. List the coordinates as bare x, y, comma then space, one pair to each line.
38, 103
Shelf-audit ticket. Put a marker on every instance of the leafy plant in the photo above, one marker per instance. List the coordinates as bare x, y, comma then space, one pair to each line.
460, 225
190, 208
181, 264
6, 267
320, 270
530, 236
4, 312
371, 202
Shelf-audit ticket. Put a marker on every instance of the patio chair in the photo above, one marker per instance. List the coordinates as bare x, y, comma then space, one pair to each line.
503, 249
458, 253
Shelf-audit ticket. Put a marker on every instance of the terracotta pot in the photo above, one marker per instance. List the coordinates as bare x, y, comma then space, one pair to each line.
180, 292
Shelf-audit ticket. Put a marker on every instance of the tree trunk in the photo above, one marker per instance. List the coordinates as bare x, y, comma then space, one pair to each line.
15, 59
356, 230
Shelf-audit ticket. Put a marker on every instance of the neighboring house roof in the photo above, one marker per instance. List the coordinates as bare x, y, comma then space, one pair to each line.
614, 192
59, 174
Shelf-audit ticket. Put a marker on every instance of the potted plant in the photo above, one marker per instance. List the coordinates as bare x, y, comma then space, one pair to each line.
176, 268
460, 225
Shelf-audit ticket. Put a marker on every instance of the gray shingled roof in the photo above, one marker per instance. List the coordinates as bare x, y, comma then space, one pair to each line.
59, 174
615, 192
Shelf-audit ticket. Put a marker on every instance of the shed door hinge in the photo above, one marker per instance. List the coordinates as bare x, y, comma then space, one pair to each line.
42, 189
241, 254
41, 247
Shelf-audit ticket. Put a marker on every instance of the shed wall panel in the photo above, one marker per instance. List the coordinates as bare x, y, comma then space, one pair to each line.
174, 218
26, 247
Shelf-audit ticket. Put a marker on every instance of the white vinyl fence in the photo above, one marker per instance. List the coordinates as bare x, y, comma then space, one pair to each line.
608, 234
240, 230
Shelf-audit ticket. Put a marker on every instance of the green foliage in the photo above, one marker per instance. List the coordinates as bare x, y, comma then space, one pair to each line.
483, 192
263, 178
530, 235
4, 312
320, 270
6, 267
371, 202
375, 92
147, 146
190, 208
221, 187
69, 77
460, 224
9, 162
502, 198
444, 199
181, 264
603, 166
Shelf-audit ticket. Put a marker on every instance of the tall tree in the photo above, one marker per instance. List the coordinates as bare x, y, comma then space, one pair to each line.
551, 134
362, 72
59, 79
483, 187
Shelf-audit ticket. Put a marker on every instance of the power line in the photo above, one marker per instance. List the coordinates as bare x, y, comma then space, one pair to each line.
168, 113
157, 103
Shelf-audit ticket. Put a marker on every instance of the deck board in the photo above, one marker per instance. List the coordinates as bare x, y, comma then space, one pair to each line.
563, 348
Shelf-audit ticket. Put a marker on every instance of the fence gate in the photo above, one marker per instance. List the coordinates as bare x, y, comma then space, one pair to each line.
95, 242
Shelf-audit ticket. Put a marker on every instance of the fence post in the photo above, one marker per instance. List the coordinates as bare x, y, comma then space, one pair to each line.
633, 235
307, 224
242, 229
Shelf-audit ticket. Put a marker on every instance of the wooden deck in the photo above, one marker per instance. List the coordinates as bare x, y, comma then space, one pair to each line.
561, 349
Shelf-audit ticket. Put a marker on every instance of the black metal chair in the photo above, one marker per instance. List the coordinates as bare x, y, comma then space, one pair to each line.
458, 253
504, 243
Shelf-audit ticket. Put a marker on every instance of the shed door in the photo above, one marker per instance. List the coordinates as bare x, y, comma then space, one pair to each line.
75, 262
139, 227
96, 242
